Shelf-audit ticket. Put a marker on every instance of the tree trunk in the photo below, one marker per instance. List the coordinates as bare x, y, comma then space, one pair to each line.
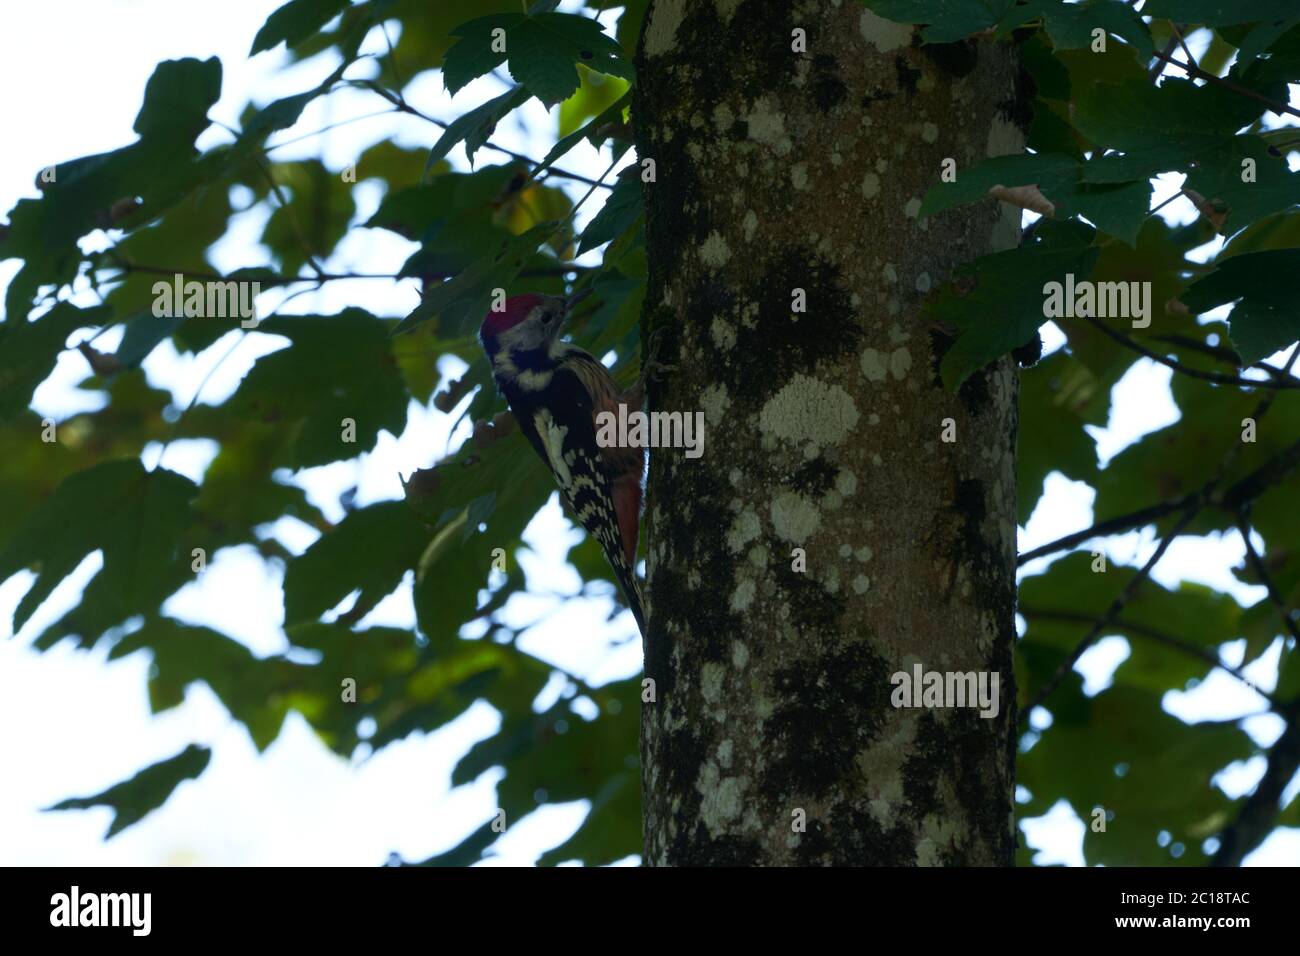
829, 538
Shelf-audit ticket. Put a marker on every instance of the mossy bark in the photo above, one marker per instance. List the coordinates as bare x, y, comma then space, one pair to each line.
772, 738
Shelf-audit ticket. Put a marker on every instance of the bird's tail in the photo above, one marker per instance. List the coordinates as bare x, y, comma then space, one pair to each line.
629, 584
595, 509
624, 572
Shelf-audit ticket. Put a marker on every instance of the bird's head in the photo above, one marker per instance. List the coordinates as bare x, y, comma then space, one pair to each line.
528, 322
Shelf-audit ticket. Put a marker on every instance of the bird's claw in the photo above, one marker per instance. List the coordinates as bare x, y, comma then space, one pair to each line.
652, 367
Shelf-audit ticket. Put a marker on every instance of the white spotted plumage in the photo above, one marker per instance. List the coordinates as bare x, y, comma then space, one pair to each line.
555, 389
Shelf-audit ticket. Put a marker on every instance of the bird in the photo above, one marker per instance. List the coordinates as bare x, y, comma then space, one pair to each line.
555, 391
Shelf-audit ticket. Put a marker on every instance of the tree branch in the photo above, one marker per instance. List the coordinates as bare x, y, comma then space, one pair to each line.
1178, 35
1117, 605
1287, 382
1259, 813
1110, 526
1193, 70
1274, 595
279, 280
401, 106
1159, 66
1265, 476
1161, 637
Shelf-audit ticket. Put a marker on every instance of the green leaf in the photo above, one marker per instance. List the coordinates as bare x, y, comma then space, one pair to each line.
1219, 12
1157, 258
595, 97
1290, 817
473, 55
1253, 41
947, 20
158, 170
474, 128
1070, 25
28, 351
1116, 208
1279, 231
569, 758
453, 569
1051, 172
142, 335
390, 537
1218, 177
469, 851
280, 114
590, 132
477, 513
1006, 306
251, 688
295, 22
423, 212
1157, 128
339, 367
1061, 605
541, 52
1051, 78
1152, 771
462, 299
284, 112
177, 99
1054, 397
314, 220
1266, 317
397, 166
622, 208
148, 790
137, 518
611, 831
1180, 458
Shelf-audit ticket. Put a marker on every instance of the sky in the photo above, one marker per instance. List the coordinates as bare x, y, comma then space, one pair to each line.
75, 724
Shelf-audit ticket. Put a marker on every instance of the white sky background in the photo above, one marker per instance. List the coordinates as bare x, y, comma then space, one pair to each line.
73, 724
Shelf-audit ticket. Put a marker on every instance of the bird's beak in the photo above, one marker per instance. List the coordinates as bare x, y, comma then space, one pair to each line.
574, 299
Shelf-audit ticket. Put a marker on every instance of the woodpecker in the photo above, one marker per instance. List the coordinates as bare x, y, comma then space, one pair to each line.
555, 391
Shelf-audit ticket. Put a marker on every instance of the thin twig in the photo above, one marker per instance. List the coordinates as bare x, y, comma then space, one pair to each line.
242, 338
1178, 33
1196, 71
397, 73
1265, 476
327, 128
1159, 67
561, 269
1257, 563
1219, 352
1289, 382
1259, 813
1196, 345
1166, 202
1207, 493
298, 233
1110, 526
1117, 605
1142, 630
400, 104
